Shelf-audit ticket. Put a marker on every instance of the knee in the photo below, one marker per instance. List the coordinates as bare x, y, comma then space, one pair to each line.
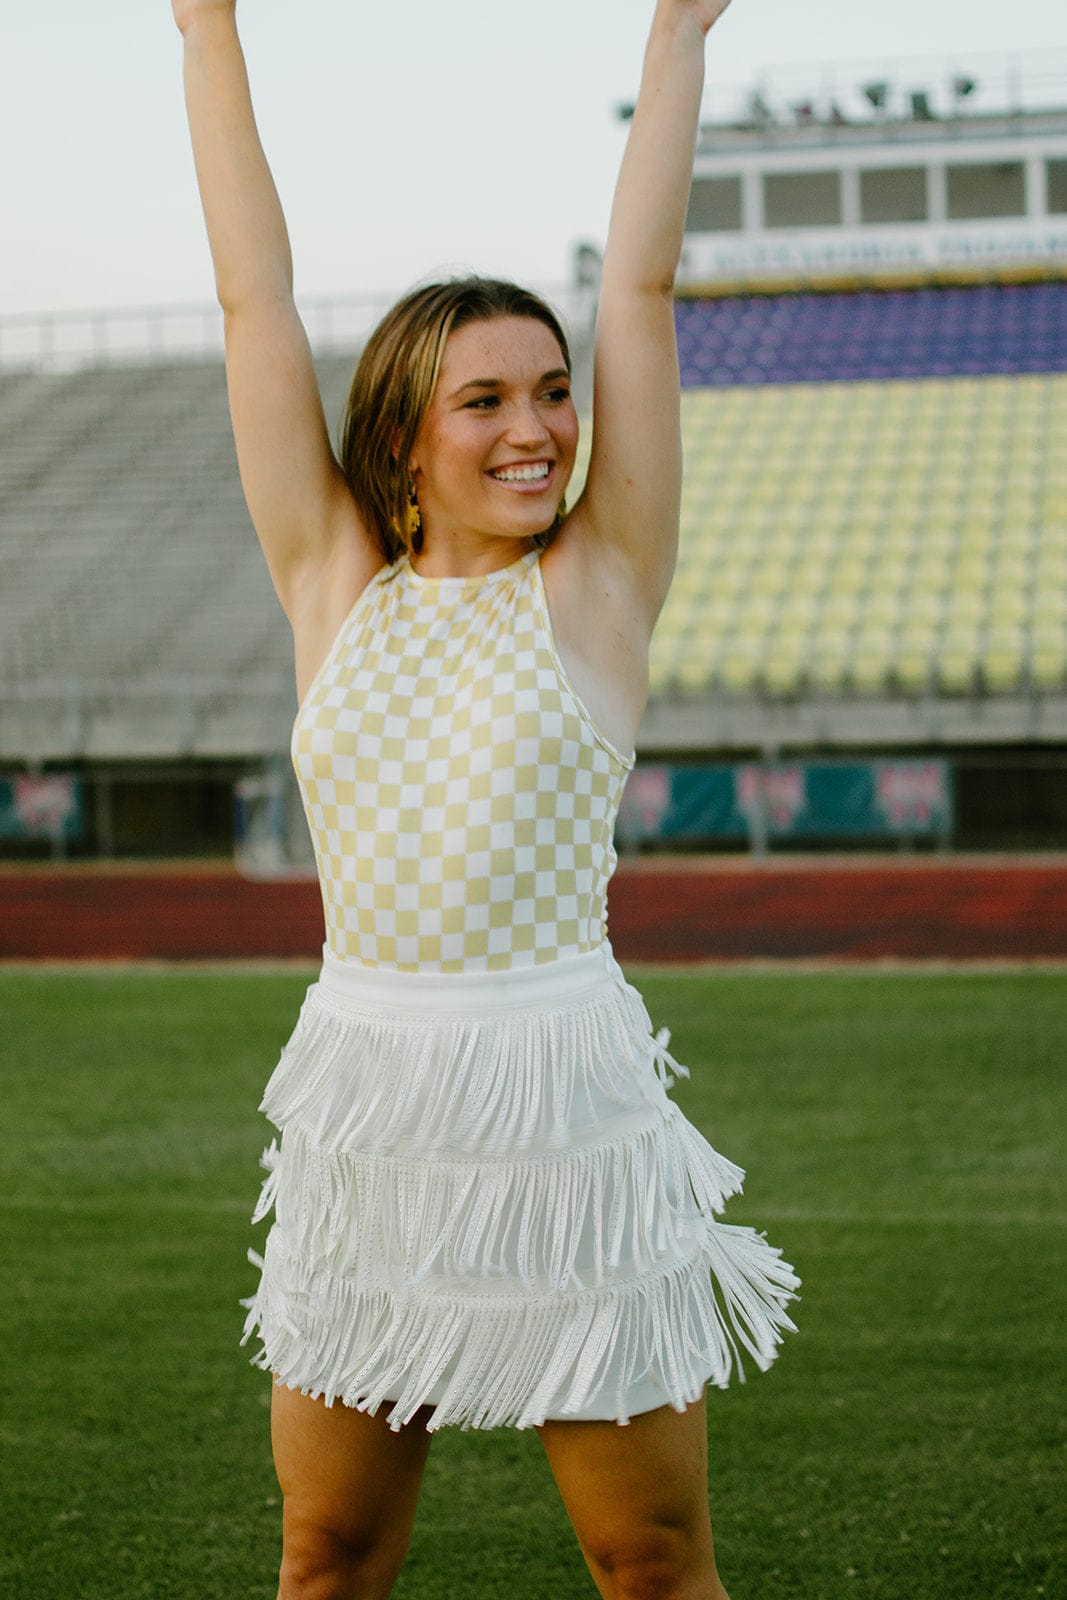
659, 1562
319, 1564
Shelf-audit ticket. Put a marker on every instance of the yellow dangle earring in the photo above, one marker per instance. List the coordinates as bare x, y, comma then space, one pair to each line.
414, 514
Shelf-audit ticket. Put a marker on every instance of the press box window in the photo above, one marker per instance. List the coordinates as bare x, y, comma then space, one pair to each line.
714, 206
987, 189
893, 194
1057, 186
802, 199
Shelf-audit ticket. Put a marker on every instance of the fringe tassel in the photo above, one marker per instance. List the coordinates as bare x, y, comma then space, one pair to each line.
545, 1224
667, 1069
491, 1083
506, 1360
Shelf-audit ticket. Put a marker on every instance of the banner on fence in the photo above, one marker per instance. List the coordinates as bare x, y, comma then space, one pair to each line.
50, 806
804, 800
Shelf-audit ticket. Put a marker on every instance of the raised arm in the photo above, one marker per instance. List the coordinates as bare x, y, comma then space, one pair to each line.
629, 511
296, 494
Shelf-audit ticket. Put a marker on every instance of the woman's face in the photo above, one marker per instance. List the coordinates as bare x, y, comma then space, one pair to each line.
496, 447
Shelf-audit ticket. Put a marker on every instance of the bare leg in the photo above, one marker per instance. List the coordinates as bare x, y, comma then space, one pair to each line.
350, 1486
637, 1497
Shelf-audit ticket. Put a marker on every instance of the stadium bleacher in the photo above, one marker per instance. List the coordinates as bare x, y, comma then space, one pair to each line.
875, 496
136, 615
874, 514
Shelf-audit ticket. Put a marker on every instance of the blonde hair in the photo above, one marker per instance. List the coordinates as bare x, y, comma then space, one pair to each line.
394, 383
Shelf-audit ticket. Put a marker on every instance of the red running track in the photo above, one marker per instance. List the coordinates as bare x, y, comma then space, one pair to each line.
681, 909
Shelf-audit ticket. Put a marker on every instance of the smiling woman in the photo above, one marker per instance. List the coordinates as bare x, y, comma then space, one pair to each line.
455, 368
487, 1209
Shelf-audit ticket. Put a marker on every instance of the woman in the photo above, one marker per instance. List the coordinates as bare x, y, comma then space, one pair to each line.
487, 1210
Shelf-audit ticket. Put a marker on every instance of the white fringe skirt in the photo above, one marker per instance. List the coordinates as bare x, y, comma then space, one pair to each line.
486, 1202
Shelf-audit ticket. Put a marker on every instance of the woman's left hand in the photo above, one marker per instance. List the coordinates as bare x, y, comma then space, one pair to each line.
709, 11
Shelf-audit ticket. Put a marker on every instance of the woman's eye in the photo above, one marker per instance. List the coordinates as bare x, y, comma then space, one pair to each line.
485, 402
557, 396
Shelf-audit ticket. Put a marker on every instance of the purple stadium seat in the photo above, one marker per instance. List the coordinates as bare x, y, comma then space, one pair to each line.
914, 333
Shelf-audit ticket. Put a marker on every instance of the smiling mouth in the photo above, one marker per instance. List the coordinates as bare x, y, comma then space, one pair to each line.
537, 472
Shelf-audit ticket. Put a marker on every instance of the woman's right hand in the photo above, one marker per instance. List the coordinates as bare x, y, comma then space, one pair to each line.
187, 11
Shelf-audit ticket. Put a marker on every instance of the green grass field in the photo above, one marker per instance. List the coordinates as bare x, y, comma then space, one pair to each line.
900, 1132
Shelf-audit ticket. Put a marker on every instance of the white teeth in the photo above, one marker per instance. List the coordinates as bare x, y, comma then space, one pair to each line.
522, 474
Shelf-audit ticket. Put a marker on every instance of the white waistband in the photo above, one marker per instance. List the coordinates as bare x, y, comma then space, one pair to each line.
548, 984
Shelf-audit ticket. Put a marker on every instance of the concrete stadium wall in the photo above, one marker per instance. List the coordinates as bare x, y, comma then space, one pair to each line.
678, 909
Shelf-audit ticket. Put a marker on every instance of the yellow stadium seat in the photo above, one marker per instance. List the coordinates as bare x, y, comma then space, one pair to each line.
881, 611
1006, 634
783, 672
917, 640
972, 572
694, 674
963, 618
721, 610
860, 543
768, 578
921, 602
829, 659
956, 668
792, 633
729, 580
838, 612
1008, 610
931, 571
870, 665
1050, 607
912, 668
754, 610
1002, 668
806, 577
1048, 666
738, 673
848, 576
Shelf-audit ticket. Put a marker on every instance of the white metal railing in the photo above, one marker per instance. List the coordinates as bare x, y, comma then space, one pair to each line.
969, 85
107, 336
63, 341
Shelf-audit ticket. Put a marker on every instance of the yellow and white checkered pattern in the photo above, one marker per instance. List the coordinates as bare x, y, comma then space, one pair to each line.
460, 800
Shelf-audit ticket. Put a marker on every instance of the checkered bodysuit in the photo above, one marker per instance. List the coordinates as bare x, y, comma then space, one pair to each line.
460, 800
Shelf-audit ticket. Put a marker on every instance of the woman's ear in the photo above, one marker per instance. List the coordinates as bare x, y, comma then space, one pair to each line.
398, 440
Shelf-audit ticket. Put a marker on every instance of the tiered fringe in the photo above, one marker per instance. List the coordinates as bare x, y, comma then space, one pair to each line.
499, 1212
485, 1079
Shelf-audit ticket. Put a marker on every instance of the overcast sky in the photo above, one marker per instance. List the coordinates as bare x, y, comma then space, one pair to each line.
406, 137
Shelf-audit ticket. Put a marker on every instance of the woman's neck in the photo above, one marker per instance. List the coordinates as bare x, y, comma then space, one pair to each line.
468, 558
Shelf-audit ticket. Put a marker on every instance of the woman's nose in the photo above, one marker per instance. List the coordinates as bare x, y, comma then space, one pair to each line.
526, 425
